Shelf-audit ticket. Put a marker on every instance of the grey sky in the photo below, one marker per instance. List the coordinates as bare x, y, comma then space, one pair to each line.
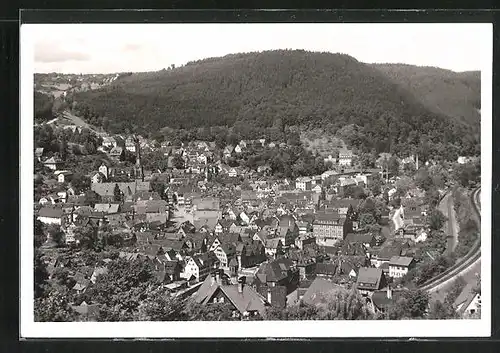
105, 48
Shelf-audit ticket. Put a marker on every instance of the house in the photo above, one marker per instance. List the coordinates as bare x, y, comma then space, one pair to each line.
317, 189
303, 183
244, 218
107, 207
50, 215
200, 266
225, 252
280, 272
228, 150
97, 272
128, 190
89, 311
116, 152
370, 280
39, 153
232, 173
97, 177
468, 301
104, 170
343, 206
108, 142
305, 240
64, 176
367, 240
318, 289
130, 145
245, 301
399, 266
382, 300
274, 247
250, 253
329, 228
53, 163
345, 157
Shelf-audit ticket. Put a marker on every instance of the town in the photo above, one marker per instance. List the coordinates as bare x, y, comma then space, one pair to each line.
131, 228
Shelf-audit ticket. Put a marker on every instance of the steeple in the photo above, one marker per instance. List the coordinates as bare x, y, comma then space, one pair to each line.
139, 172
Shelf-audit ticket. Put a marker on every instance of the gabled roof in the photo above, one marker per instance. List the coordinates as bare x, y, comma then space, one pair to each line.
273, 243
369, 276
52, 160
401, 261
465, 297
51, 212
247, 300
318, 288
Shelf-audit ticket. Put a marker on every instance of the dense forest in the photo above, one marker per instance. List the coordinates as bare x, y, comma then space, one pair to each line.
43, 107
456, 94
254, 92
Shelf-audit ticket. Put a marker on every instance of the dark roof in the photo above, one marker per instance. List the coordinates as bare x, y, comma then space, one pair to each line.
359, 238
274, 271
248, 300
400, 261
317, 289
370, 277
326, 268
381, 301
50, 212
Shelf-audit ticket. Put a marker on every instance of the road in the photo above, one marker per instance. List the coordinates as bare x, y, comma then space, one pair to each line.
451, 228
397, 220
465, 267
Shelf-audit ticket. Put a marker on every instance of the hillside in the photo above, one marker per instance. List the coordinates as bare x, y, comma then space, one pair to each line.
255, 91
456, 94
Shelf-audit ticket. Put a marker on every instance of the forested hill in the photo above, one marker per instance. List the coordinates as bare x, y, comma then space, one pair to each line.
254, 91
456, 94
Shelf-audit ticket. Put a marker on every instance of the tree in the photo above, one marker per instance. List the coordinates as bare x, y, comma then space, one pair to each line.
117, 194
80, 182
55, 234
178, 162
432, 197
393, 166
160, 306
366, 219
442, 311
376, 186
55, 307
39, 232
412, 304
86, 236
40, 275
343, 305
158, 186
423, 179
301, 311
125, 286
436, 219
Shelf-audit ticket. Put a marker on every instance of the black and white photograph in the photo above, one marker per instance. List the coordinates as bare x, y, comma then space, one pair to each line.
256, 180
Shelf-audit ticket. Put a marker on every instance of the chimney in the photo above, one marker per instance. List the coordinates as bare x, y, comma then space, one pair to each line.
218, 277
389, 292
269, 295
241, 283
213, 279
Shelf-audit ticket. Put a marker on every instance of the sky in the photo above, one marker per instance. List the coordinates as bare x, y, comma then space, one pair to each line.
109, 48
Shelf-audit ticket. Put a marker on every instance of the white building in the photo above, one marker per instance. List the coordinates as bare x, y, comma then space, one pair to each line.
399, 266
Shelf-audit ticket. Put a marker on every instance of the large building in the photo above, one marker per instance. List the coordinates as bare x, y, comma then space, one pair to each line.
330, 227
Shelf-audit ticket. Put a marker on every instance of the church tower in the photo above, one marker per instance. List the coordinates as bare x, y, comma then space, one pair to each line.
139, 172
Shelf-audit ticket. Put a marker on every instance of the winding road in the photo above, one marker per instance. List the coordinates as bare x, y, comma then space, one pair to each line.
470, 263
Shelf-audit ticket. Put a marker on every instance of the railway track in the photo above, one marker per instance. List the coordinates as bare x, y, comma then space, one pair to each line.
464, 263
